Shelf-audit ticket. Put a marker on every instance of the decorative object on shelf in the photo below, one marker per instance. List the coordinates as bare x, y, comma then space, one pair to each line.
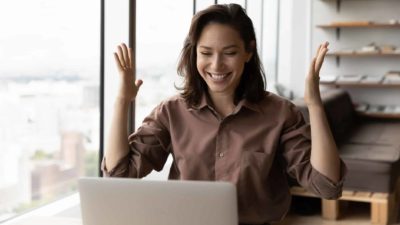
328, 79
394, 21
392, 77
387, 48
371, 79
349, 78
370, 48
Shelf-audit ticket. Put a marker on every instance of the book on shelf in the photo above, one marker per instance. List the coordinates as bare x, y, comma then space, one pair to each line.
388, 49
392, 73
392, 77
349, 78
361, 107
371, 79
370, 48
328, 79
392, 109
346, 51
375, 109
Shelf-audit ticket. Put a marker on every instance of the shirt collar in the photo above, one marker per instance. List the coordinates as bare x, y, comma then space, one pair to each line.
206, 102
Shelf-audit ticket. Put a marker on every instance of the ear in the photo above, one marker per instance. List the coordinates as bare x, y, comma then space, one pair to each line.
252, 46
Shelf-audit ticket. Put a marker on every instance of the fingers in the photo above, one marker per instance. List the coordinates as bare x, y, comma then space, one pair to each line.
121, 56
320, 56
312, 67
117, 61
126, 55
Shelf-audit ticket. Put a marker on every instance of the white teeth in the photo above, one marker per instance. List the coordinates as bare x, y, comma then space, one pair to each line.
218, 76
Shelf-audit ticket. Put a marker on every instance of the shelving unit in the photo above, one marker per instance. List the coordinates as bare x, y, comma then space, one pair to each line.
380, 115
344, 21
362, 24
361, 54
370, 25
360, 85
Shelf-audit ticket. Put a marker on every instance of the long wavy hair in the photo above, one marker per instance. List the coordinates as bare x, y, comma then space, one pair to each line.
252, 83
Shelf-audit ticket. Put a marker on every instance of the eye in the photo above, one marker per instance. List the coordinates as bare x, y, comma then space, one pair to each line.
206, 53
230, 53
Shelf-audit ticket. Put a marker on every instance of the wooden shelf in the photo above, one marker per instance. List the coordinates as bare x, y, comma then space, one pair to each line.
363, 54
360, 54
370, 25
380, 115
361, 85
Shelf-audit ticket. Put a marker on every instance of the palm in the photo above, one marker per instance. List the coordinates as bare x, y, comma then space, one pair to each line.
312, 94
129, 86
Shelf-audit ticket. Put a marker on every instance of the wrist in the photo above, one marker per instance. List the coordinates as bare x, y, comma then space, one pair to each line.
123, 100
314, 107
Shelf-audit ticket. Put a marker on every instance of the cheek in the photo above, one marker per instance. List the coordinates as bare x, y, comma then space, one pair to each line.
200, 66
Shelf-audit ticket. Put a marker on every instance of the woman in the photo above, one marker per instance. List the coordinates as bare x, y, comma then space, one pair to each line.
224, 126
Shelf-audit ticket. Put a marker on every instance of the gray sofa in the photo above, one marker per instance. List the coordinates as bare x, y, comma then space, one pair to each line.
369, 147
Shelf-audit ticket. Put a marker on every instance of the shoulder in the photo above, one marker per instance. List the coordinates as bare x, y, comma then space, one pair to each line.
174, 103
279, 108
273, 101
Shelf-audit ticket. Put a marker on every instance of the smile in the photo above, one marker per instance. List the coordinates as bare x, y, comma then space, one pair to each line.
218, 77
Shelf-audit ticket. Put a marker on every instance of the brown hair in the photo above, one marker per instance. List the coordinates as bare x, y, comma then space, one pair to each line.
252, 83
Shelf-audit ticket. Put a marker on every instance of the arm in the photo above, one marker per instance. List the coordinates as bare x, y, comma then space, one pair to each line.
117, 144
324, 154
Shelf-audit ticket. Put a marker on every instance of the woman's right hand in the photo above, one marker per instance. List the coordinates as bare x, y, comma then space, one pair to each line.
129, 86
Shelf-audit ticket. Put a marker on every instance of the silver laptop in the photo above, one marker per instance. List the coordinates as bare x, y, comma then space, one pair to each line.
126, 201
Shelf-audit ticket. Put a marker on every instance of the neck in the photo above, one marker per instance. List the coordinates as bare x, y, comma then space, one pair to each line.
223, 103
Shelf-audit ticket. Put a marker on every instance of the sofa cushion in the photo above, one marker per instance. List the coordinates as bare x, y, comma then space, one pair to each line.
370, 148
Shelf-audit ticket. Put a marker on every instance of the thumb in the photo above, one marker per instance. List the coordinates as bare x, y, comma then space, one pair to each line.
138, 83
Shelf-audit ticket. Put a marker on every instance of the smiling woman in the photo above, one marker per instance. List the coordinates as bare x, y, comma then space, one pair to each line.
224, 125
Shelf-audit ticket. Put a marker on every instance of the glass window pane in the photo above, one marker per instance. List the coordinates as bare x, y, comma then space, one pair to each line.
49, 94
116, 26
202, 4
240, 2
269, 39
160, 31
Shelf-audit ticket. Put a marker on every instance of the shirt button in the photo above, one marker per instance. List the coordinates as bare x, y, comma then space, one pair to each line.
221, 154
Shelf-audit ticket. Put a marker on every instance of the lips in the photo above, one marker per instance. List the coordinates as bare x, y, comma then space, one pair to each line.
218, 76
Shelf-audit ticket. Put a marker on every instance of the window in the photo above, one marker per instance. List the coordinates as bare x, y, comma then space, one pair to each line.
49, 85
160, 32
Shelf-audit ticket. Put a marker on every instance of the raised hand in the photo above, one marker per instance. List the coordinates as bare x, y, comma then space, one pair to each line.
129, 86
312, 94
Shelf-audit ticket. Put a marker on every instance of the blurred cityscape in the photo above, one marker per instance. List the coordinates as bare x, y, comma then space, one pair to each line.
49, 135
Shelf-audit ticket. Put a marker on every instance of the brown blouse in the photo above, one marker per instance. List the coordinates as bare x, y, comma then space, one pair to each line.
255, 148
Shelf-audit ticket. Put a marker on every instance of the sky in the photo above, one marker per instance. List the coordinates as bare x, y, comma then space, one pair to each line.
46, 36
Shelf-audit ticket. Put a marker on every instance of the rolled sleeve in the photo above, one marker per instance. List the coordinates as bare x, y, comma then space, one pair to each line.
296, 150
149, 148
325, 187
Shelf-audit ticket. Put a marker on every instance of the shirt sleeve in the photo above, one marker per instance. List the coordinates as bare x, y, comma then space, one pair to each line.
149, 147
296, 148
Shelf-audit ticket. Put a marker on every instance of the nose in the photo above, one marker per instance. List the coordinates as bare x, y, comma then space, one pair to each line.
217, 63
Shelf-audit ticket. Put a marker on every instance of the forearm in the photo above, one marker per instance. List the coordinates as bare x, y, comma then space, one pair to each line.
117, 144
324, 153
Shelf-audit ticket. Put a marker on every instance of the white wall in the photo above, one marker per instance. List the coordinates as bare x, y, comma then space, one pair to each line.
294, 47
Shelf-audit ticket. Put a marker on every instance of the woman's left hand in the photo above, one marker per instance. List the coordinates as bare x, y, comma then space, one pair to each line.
312, 95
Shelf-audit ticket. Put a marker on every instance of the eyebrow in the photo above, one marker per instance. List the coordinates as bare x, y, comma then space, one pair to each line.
226, 47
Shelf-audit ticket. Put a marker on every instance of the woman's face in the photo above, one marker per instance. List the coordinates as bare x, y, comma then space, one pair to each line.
221, 56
